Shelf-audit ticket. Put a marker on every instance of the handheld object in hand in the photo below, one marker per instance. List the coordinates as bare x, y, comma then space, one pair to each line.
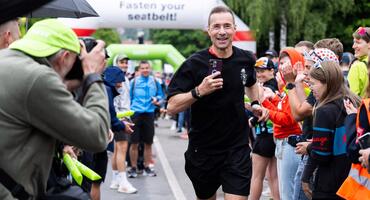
293, 140
215, 65
77, 72
364, 140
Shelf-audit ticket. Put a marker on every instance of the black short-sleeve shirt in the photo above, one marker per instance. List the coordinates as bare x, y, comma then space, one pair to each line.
218, 122
311, 99
307, 122
272, 84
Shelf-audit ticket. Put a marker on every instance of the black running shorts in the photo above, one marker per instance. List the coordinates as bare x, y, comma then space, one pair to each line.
264, 146
231, 170
143, 129
121, 136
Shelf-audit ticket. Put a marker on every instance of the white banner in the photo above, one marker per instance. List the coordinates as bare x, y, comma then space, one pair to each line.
156, 14
187, 14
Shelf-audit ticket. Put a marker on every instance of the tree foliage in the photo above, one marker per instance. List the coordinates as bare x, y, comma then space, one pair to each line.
186, 41
109, 36
307, 19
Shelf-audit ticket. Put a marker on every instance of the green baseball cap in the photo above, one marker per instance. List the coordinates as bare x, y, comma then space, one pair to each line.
47, 37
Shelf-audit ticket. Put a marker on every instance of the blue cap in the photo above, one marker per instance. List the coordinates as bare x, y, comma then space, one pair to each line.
113, 75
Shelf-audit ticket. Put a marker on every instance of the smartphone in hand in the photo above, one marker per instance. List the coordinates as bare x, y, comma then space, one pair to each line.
364, 140
215, 65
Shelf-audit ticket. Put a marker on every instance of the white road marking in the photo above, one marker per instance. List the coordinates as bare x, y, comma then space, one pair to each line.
172, 181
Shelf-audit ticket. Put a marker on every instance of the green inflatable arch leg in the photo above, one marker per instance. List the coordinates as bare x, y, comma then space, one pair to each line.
164, 52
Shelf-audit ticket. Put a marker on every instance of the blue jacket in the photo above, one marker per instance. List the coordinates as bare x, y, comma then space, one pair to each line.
113, 75
142, 89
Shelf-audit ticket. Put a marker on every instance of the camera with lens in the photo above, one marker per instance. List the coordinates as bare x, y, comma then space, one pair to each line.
77, 72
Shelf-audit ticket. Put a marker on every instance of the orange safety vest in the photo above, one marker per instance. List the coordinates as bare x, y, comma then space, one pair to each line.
357, 184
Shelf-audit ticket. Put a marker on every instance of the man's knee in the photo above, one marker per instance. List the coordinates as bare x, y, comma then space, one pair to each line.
235, 197
147, 146
121, 145
134, 146
212, 198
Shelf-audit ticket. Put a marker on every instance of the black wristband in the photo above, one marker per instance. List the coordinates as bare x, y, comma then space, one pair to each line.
290, 86
255, 103
194, 94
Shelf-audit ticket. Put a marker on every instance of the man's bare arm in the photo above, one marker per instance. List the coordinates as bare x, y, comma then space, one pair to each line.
253, 92
181, 102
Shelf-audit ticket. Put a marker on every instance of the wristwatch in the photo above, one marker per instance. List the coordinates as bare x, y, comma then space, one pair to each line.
195, 93
290, 86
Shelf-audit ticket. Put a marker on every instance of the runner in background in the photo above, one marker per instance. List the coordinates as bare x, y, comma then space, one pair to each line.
146, 93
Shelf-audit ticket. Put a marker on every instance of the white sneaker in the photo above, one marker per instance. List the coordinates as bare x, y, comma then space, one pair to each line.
173, 126
126, 187
167, 117
114, 185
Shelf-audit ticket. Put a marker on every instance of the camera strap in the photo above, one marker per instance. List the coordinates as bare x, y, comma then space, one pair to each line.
15, 189
88, 81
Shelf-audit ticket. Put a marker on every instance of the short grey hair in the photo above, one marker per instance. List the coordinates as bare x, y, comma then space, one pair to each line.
54, 56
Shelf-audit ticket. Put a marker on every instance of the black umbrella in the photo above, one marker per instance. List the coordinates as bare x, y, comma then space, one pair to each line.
11, 9
65, 8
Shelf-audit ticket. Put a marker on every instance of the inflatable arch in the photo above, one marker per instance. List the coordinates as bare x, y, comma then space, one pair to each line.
164, 52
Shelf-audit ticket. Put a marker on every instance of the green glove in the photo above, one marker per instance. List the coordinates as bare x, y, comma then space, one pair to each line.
90, 174
121, 115
76, 174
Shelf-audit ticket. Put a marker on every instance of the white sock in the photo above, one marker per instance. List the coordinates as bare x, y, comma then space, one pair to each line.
114, 175
122, 177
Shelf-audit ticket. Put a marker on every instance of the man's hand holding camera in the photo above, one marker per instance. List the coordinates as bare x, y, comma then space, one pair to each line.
94, 61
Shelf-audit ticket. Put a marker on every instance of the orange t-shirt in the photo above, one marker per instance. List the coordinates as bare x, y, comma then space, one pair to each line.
281, 117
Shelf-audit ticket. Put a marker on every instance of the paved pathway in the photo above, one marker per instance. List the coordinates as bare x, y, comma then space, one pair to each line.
171, 182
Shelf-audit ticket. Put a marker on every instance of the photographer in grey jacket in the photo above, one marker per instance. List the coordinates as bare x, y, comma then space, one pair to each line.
36, 109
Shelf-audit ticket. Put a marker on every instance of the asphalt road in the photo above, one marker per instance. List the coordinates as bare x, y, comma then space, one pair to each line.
171, 182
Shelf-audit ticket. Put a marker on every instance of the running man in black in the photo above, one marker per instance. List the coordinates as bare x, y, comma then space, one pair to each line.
212, 83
